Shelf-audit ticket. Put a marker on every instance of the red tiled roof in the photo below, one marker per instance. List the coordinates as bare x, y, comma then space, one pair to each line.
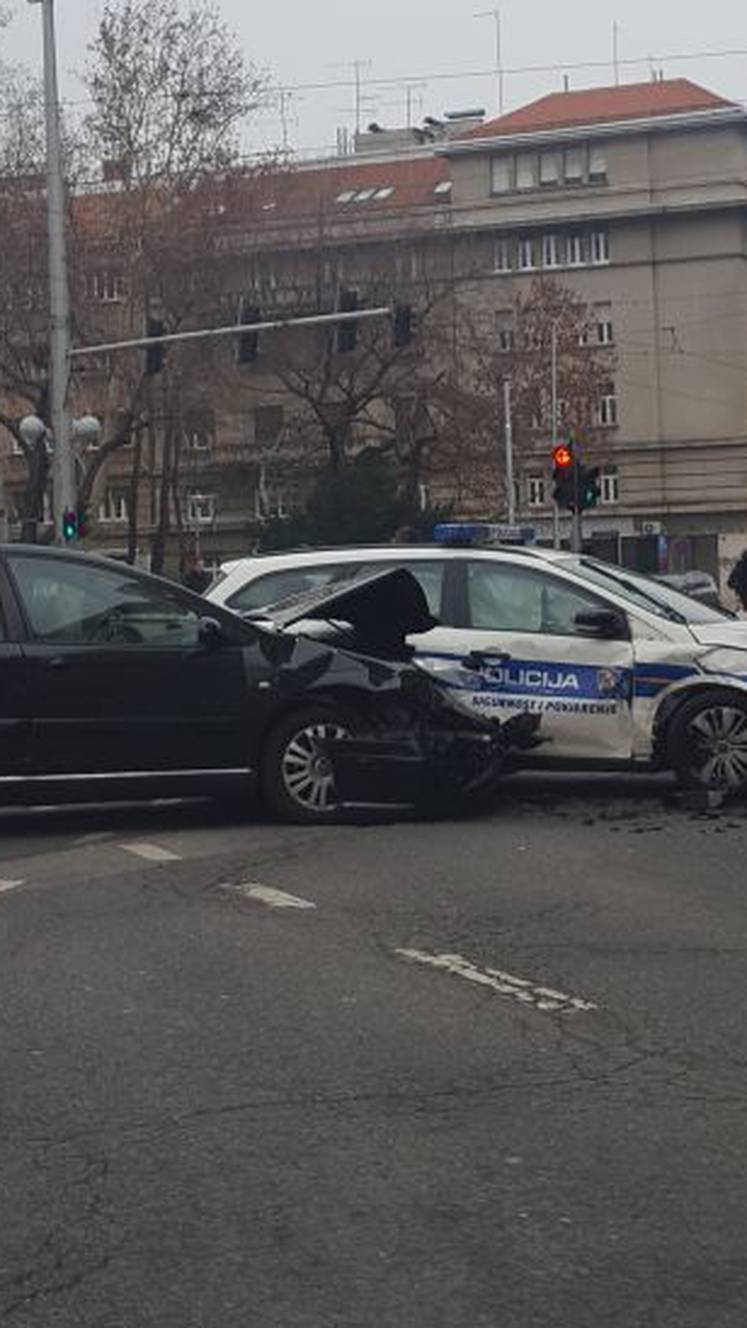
589, 106
286, 194
305, 192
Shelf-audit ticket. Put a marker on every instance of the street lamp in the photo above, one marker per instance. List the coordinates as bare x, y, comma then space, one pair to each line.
63, 470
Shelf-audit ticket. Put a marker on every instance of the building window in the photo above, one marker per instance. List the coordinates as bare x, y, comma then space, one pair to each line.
503, 256
549, 168
609, 484
600, 247
552, 254
505, 338
526, 170
605, 332
201, 508
597, 166
501, 175
268, 423
113, 506
576, 250
527, 256
608, 406
573, 166
536, 490
106, 287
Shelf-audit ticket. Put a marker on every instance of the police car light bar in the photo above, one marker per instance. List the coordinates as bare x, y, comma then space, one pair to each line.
468, 534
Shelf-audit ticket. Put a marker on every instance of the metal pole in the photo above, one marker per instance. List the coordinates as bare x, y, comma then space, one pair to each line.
577, 539
554, 423
509, 430
499, 58
63, 470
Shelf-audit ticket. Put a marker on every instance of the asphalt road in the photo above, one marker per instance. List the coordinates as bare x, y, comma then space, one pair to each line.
494, 1076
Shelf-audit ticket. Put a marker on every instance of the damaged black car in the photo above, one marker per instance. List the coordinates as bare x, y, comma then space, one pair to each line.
116, 683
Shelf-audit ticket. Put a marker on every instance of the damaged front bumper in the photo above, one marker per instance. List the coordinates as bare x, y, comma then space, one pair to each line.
428, 766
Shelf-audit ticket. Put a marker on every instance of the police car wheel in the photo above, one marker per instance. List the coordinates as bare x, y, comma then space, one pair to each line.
707, 742
297, 776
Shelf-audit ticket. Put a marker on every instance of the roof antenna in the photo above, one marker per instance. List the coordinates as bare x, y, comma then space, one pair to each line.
616, 51
566, 83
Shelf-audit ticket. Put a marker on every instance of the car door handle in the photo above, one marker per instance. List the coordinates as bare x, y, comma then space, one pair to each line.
58, 662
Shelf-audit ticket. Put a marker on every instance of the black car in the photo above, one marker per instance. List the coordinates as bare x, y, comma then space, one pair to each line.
118, 683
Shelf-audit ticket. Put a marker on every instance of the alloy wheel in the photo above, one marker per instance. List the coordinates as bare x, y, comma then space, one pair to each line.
307, 771
718, 745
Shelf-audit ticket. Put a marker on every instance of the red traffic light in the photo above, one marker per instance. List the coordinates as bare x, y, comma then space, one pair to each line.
562, 456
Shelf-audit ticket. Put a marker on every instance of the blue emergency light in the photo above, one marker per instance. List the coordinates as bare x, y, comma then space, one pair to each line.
469, 534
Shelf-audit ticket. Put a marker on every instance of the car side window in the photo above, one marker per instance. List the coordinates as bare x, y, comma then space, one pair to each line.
506, 598
276, 586
429, 575
71, 603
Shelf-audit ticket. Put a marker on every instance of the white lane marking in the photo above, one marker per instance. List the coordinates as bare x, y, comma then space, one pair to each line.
265, 894
7, 886
519, 989
151, 852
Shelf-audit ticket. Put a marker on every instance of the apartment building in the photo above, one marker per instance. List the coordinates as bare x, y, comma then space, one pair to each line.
633, 196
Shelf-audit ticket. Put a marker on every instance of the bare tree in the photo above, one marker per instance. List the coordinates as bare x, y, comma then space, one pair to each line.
519, 350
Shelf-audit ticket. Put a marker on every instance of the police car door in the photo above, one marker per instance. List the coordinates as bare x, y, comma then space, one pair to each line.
548, 663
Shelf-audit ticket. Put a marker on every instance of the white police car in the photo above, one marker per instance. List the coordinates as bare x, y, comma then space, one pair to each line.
622, 669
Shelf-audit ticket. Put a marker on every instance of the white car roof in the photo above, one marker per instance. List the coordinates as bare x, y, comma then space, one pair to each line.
266, 562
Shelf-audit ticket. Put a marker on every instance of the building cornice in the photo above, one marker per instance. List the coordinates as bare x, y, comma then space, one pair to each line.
708, 119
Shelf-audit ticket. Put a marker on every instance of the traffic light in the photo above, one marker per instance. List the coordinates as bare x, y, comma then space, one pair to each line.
154, 355
589, 489
347, 333
247, 350
82, 519
564, 476
403, 328
69, 525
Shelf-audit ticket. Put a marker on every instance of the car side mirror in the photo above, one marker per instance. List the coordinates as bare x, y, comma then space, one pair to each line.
604, 624
210, 633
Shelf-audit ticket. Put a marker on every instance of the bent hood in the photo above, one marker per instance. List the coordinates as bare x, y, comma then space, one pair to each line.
731, 633
381, 606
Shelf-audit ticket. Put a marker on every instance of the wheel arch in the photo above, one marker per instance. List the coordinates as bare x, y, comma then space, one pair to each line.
676, 697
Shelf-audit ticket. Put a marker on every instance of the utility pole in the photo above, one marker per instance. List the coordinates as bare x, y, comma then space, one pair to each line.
509, 436
616, 51
495, 14
554, 420
63, 468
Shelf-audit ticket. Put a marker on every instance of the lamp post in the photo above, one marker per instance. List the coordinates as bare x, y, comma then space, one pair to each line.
63, 470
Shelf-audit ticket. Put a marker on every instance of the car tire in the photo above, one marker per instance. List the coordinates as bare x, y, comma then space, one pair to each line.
297, 780
707, 742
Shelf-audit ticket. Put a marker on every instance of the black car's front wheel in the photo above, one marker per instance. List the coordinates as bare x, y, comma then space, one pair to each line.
708, 742
297, 776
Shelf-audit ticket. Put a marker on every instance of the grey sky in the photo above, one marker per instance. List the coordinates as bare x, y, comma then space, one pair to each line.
310, 41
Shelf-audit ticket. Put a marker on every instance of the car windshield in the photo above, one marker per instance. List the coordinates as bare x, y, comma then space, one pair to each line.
646, 593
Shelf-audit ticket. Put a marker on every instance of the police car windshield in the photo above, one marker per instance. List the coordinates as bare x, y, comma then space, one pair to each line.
647, 593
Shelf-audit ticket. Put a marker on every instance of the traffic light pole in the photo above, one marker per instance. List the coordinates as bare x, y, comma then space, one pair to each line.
577, 535
63, 470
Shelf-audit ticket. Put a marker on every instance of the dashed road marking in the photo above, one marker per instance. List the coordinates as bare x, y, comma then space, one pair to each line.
151, 852
265, 894
7, 886
505, 984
